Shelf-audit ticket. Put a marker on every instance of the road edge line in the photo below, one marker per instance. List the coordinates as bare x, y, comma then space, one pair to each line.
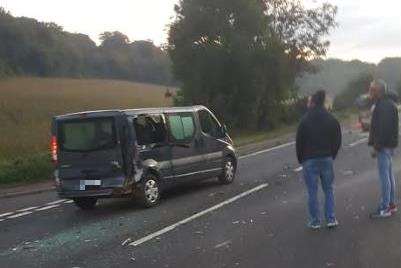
267, 150
197, 215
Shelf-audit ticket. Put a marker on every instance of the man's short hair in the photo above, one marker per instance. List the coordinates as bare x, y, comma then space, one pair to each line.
380, 84
319, 98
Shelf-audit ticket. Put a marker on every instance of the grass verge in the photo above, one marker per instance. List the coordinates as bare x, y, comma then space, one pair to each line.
25, 169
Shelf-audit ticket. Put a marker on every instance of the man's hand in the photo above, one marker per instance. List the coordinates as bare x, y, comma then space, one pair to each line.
373, 153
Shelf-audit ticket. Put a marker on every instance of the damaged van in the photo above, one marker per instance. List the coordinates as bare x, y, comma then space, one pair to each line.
138, 153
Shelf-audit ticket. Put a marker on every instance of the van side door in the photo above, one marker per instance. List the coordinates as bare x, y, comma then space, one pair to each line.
213, 141
152, 143
186, 153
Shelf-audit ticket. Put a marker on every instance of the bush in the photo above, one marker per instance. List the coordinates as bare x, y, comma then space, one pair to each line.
26, 169
5, 71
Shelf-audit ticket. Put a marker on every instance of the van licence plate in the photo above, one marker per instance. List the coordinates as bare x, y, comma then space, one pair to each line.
84, 183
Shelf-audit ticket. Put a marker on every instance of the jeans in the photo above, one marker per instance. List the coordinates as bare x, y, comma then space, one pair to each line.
314, 169
386, 175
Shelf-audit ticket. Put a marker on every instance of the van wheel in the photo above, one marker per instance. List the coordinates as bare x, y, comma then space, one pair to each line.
85, 203
149, 191
229, 170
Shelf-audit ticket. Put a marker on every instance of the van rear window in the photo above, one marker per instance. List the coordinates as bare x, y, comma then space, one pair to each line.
87, 135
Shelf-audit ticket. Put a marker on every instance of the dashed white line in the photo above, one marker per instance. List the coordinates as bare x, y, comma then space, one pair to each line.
197, 215
26, 209
267, 150
69, 202
56, 202
47, 207
6, 214
19, 215
358, 142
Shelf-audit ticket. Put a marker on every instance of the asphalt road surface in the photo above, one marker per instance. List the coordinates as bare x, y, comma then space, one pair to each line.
259, 221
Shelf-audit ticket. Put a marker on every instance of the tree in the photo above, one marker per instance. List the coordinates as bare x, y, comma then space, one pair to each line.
240, 57
389, 69
355, 88
113, 40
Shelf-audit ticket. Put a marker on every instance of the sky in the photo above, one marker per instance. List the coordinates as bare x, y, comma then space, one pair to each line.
368, 30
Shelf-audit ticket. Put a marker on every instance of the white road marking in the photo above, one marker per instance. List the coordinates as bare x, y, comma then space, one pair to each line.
19, 215
358, 142
267, 150
69, 202
298, 169
47, 207
226, 243
56, 202
26, 209
2, 220
6, 214
197, 215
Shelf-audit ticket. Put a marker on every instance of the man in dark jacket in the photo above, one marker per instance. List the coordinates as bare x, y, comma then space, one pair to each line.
383, 137
318, 142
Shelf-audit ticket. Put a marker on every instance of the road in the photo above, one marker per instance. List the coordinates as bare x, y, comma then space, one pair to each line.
259, 221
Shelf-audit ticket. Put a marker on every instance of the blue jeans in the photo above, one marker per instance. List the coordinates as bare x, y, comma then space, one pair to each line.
387, 181
314, 169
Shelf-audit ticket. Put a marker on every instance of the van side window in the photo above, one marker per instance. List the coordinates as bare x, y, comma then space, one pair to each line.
208, 123
182, 126
149, 129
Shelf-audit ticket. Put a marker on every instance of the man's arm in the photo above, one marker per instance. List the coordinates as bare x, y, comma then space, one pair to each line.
300, 142
337, 139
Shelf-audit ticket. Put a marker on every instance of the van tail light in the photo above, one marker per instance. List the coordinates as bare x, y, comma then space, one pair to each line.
54, 149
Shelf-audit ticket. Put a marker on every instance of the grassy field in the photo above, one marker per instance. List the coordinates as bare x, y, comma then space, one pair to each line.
28, 104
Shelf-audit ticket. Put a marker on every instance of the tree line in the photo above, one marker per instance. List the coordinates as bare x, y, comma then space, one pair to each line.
339, 77
30, 47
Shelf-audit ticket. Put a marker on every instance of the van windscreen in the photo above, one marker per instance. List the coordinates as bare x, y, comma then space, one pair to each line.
87, 135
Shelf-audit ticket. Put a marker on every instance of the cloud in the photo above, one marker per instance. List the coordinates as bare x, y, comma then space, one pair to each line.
368, 30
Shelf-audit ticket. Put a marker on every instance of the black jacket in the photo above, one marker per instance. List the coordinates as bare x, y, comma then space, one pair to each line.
384, 125
318, 135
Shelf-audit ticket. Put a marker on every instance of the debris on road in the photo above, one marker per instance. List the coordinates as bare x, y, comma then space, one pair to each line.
348, 173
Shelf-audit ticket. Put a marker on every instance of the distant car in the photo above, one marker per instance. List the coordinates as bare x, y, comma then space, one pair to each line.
364, 105
138, 153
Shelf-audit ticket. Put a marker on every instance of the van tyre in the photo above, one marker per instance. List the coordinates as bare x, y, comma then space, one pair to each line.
149, 191
229, 170
85, 203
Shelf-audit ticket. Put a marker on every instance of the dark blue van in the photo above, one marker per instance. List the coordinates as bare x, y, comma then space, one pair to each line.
138, 153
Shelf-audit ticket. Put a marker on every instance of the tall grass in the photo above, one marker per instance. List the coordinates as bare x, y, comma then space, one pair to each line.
27, 106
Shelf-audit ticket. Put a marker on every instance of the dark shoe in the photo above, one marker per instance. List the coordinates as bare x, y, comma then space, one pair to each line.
381, 213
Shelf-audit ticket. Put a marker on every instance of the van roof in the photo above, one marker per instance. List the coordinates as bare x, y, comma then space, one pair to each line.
102, 113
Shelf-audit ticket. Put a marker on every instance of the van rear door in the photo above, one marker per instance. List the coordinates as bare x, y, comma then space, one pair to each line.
90, 155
